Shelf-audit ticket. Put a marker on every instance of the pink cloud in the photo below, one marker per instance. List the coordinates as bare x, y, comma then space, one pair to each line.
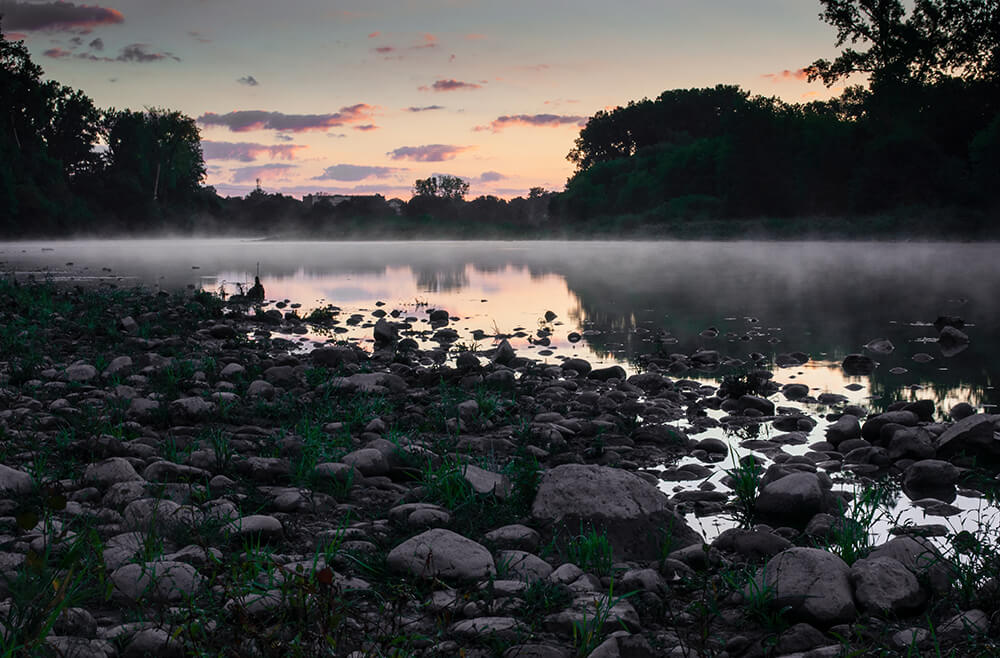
374, 34
15, 36
248, 152
246, 120
538, 120
428, 152
451, 85
57, 53
384, 50
797, 74
368, 127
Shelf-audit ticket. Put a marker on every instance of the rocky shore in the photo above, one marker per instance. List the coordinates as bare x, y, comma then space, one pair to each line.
177, 479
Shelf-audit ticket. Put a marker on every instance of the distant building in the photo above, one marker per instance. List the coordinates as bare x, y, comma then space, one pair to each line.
333, 199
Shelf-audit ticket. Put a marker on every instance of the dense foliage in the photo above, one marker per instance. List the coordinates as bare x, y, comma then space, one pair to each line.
56, 179
922, 134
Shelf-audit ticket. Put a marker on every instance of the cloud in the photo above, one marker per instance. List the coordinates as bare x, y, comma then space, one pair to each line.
547, 120
425, 108
240, 121
284, 138
263, 172
797, 74
474, 36
57, 16
349, 172
248, 80
57, 53
491, 176
15, 36
385, 50
97, 44
136, 52
248, 152
199, 37
368, 127
428, 152
374, 34
450, 85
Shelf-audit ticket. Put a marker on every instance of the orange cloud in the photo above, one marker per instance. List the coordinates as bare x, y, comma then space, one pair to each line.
373, 35
57, 16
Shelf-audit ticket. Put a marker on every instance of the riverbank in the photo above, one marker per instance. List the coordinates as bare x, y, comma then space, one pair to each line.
184, 476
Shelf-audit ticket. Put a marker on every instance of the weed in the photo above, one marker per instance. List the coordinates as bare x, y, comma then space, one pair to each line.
591, 551
589, 631
850, 534
745, 482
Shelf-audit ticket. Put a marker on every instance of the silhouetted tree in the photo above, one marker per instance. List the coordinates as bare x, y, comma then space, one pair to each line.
445, 187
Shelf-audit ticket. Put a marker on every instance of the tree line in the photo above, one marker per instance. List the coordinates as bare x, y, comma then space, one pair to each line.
922, 135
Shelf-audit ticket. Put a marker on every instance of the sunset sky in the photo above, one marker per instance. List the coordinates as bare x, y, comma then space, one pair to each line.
367, 96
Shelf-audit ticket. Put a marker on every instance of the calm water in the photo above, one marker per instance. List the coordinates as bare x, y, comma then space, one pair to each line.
824, 299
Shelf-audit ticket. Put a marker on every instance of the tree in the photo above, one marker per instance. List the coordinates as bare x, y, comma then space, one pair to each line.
444, 187
936, 39
154, 155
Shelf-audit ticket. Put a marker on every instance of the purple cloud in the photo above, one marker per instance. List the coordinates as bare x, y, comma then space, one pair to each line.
248, 152
57, 16
491, 176
425, 108
428, 152
349, 172
241, 121
248, 80
451, 85
547, 120
137, 52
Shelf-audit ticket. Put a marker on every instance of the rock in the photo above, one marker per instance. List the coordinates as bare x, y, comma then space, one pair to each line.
604, 374
118, 366
793, 499
882, 585
813, 585
254, 525
620, 614
795, 391
800, 637
515, 536
440, 553
81, 372
845, 428
504, 353
912, 442
635, 515
962, 410
536, 651
929, 474
488, 627
971, 431
385, 333
160, 582
920, 557
581, 366
368, 461
524, 566
337, 472
153, 642
15, 482
949, 321
283, 376
260, 389
964, 624
110, 471
487, 482
951, 337
880, 346
231, 371
858, 364
757, 403
191, 409
222, 332
870, 431
752, 545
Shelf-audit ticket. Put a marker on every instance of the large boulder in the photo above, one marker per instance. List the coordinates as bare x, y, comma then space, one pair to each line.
634, 514
793, 499
812, 584
882, 585
440, 553
970, 433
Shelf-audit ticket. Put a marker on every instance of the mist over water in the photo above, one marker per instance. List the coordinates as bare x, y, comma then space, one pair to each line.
626, 299
825, 299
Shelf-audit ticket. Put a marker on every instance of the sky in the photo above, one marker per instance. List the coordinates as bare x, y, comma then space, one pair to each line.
366, 96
